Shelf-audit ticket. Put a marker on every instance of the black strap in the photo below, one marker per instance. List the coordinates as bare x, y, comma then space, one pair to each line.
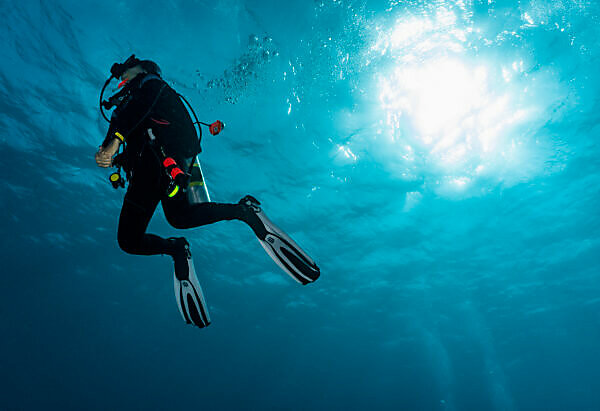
197, 122
150, 109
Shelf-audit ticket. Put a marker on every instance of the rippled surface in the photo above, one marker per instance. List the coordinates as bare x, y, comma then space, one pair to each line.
438, 159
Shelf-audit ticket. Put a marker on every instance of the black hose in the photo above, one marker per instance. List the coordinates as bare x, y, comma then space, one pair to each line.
101, 95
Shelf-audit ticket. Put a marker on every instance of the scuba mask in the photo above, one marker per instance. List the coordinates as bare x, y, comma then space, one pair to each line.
118, 69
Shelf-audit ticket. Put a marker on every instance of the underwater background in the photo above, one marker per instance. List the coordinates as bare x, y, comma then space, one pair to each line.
438, 159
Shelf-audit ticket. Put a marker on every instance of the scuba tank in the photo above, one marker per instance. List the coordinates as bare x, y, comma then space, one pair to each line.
191, 183
197, 192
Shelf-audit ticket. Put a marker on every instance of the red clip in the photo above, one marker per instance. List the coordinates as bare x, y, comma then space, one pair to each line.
121, 84
169, 162
175, 172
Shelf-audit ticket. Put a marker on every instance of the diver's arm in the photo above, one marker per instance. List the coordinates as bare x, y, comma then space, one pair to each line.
110, 145
124, 121
105, 154
113, 130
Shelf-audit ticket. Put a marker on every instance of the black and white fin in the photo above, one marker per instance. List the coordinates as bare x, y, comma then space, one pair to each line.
283, 250
190, 299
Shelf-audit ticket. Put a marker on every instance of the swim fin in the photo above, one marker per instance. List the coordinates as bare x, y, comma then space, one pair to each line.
190, 299
282, 249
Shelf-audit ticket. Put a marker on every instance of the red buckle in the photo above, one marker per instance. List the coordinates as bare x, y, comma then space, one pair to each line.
175, 172
169, 162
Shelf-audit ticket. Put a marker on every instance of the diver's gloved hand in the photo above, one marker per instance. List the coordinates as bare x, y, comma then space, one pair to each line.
104, 155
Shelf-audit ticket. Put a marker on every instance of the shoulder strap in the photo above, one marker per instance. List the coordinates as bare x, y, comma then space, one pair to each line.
150, 109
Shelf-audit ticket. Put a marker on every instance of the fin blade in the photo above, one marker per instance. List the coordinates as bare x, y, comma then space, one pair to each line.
198, 294
290, 260
180, 300
193, 312
274, 229
276, 259
282, 248
190, 299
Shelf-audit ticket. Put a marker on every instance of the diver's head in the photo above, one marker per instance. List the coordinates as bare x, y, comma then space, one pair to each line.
126, 71
144, 66
132, 67
150, 67
131, 72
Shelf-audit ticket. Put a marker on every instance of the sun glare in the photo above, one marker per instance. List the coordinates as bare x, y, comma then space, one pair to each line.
454, 111
448, 106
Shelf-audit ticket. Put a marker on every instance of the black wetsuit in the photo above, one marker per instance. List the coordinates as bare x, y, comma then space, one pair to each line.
152, 104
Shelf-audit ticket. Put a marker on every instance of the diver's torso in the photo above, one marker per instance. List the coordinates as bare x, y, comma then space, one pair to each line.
164, 114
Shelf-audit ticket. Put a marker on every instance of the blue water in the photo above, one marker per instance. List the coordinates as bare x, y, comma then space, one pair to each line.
438, 159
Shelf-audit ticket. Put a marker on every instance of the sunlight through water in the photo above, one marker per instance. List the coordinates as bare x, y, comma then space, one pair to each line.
453, 117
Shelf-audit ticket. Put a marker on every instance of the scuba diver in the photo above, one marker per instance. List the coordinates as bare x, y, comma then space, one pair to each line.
160, 160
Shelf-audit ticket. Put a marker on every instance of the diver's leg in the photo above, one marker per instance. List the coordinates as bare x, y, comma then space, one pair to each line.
141, 200
181, 214
280, 247
132, 236
138, 207
143, 195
